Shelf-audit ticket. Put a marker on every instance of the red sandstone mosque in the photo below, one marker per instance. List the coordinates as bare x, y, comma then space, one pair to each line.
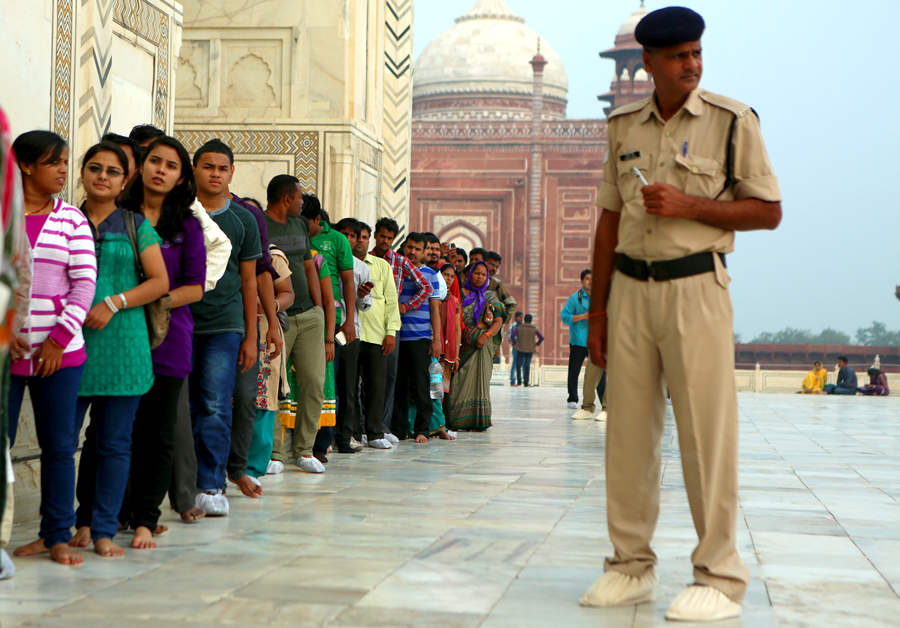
497, 164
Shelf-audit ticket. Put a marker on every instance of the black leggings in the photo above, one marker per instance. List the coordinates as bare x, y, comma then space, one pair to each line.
152, 453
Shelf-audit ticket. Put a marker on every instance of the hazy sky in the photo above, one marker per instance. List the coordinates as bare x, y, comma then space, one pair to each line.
819, 75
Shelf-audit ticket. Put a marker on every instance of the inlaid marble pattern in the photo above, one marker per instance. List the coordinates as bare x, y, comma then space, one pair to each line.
508, 528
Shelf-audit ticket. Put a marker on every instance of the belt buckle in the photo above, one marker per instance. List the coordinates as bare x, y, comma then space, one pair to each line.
657, 272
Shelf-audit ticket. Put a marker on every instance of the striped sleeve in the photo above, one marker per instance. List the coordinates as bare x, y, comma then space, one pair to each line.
82, 272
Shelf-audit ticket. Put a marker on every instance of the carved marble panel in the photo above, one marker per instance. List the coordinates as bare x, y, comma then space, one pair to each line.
252, 75
193, 74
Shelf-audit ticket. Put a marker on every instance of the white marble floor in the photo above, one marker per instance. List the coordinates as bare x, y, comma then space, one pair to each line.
508, 528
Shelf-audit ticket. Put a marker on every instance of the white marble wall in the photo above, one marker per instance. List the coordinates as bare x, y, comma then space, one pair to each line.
295, 86
26, 62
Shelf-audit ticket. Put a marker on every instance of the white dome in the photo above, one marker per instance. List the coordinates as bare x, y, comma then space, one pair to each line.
487, 51
631, 23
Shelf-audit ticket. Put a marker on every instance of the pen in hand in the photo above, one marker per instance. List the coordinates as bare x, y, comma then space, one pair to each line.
640, 176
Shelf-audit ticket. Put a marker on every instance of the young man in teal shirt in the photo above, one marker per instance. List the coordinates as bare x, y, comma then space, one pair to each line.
224, 327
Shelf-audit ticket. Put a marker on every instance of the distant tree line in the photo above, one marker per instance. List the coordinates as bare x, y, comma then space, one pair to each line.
875, 335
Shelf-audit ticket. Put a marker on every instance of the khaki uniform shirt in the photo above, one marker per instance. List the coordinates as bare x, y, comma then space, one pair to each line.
689, 152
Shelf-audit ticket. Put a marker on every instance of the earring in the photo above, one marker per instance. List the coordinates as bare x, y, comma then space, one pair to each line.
27, 172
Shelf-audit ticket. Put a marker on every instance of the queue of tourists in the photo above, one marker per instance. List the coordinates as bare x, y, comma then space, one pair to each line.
213, 338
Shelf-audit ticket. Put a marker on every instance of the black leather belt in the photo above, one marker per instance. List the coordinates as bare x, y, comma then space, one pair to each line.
665, 270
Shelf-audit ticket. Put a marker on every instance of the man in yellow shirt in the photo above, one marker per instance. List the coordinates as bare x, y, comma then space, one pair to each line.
814, 382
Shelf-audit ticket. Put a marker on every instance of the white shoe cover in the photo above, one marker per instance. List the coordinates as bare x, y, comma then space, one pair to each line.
380, 443
275, 467
212, 505
582, 415
365, 440
310, 464
393, 440
601, 416
7, 568
572, 404
699, 603
355, 445
618, 589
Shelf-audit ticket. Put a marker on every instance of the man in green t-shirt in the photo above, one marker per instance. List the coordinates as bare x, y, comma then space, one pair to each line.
338, 256
303, 340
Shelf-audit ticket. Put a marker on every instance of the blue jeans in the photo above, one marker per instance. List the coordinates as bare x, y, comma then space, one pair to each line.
831, 389
513, 368
53, 400
524, 368
105, 461
212, 385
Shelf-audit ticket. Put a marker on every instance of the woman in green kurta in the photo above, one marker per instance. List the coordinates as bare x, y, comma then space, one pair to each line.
470, 389
118, 369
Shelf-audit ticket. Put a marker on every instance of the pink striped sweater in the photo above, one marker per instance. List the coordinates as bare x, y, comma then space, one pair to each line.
64, 272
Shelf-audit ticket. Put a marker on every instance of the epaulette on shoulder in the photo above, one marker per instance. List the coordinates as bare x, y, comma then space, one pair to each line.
736, 107
629, 108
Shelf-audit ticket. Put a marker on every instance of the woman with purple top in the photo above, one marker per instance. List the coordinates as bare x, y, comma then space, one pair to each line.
48, 352
877, 386
163, 195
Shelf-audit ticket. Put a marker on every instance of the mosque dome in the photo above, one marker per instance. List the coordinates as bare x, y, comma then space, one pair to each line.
628, 26
487, 53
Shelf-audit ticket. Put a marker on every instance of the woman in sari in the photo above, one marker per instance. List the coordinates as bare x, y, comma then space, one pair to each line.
451, 327
470, 390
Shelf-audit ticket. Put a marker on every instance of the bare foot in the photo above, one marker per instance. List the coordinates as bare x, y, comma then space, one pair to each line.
443, 435
108, 549
143, 539
63, 554
192, 515
32, 549
249, 487
82, 537
421, 438
160, 530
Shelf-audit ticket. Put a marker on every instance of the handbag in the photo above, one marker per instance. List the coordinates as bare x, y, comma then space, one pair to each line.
157, 312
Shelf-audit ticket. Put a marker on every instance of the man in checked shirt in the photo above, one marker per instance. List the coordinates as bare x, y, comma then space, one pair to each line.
386, 230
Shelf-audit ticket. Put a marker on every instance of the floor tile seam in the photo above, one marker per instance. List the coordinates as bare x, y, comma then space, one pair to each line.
756, 553
104, 587
852, 540
533, 552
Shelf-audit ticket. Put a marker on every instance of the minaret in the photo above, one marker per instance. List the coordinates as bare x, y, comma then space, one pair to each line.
631, 82
535, 197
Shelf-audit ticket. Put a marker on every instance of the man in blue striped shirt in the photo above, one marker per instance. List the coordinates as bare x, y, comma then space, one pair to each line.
419, 340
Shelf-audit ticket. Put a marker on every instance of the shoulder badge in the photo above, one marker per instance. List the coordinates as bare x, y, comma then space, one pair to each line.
724, 102
629, 108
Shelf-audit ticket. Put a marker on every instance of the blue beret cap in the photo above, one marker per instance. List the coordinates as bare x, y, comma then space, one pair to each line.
669, 27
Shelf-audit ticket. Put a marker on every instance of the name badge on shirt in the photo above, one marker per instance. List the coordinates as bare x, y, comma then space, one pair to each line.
630, 156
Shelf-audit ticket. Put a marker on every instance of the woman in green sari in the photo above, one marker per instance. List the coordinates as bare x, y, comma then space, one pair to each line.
470, 391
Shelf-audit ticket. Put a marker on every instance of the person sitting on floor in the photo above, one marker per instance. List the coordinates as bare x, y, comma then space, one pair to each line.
846, 380
877, 386
814, 382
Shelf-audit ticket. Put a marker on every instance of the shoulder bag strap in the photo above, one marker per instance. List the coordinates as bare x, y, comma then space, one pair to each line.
132, 236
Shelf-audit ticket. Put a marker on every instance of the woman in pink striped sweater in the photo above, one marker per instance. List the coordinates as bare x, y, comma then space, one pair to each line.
48, 352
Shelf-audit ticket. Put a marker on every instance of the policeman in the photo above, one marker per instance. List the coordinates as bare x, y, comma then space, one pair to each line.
661, 307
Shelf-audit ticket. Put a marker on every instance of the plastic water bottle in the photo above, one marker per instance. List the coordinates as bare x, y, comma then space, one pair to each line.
435, 379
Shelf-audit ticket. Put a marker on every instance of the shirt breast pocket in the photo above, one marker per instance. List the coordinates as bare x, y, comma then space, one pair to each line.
700, 176
629, 185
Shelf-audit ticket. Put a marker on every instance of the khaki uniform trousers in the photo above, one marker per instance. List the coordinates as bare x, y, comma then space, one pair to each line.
683, 329
592, 376
304, 341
